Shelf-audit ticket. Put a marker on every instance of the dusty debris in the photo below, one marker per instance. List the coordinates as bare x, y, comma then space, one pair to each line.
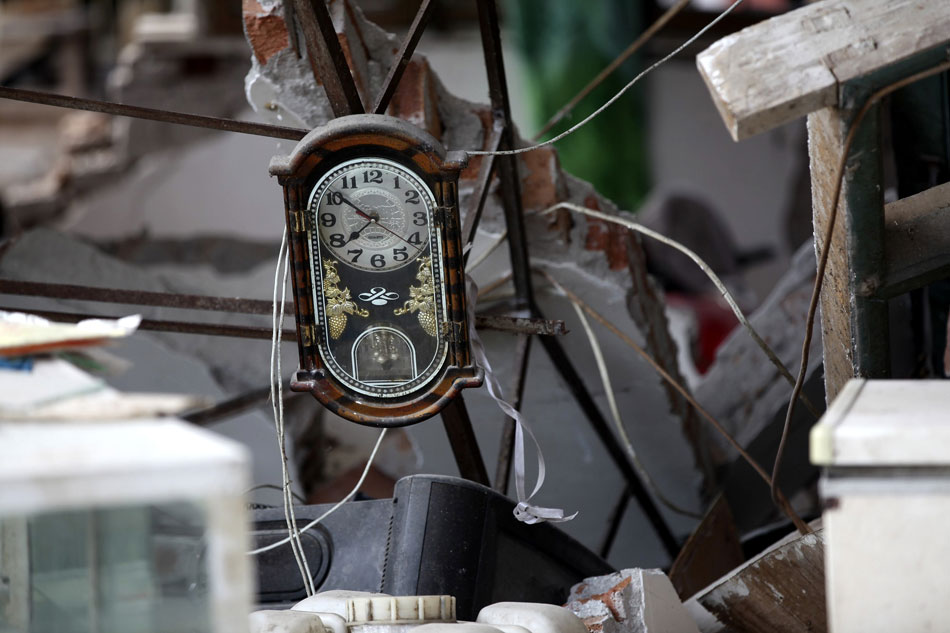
630, 601
749, 396
782, 590
712, 550
199, 75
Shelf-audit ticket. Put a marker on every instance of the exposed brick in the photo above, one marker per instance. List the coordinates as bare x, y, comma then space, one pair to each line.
630, 601
475, 162
265, 31
415, 100
539, 175
608, 238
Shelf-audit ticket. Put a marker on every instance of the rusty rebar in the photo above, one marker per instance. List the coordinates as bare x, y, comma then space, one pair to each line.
152, 114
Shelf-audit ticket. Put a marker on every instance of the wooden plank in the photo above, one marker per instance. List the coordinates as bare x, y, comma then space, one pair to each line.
916, 241
791, 65
712, 550
825, 137
780, 591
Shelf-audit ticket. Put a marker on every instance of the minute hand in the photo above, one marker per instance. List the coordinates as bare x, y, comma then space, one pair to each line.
363, 214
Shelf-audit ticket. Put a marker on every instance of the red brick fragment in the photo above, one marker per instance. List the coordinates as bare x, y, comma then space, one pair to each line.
416, 100
266, 31
609, 238
539, 174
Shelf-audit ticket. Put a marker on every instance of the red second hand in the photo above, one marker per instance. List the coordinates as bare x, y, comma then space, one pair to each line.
363, 214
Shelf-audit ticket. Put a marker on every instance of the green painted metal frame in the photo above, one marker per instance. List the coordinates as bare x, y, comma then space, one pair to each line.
863, 202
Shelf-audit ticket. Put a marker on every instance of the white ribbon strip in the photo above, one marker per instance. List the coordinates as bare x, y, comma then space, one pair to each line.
524, 511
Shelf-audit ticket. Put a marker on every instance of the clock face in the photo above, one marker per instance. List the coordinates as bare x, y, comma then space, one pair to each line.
372, 214
377, 270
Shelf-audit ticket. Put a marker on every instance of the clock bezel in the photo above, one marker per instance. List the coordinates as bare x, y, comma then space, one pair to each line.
436, 250
386, 163
369, 136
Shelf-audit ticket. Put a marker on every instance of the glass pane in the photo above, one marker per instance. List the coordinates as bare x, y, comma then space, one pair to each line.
138, 569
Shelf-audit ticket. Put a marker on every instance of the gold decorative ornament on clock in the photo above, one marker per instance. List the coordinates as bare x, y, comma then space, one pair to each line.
372, 213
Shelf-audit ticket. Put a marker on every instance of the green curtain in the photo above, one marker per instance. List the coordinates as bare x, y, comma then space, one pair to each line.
564, 44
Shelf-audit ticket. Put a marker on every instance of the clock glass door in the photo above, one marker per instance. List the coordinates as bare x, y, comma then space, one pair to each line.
378, 278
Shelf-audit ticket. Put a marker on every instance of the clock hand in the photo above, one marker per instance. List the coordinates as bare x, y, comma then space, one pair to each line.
355, 234
371, 219
359, 211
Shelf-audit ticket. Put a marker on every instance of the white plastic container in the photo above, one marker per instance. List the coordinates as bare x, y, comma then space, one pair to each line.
134, 527
885, 446
381, 613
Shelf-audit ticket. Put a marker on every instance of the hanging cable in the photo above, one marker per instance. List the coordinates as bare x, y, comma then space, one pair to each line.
610, 102
615, 412
784, 504
277, 403
736, 310
826, 251
339, 504
612, 66
274, 487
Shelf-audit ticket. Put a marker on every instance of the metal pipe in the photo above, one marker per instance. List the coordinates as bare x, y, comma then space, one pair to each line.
403, 56
152, 114
329, 65
458, 426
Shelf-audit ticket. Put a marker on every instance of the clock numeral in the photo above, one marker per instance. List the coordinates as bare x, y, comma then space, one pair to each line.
327, 219
377, 260
419, 218
396, 183
349, 182
412, 197
334, 198
337, 239
374, 176
400, 254
356, 252
415, 239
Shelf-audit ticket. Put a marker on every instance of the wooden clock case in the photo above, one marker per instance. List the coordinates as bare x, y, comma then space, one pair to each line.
370, 135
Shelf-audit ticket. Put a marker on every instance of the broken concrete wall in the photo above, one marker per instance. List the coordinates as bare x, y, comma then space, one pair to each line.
749, 396
630, 601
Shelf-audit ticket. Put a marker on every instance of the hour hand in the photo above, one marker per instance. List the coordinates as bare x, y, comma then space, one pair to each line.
355, 234
359, 211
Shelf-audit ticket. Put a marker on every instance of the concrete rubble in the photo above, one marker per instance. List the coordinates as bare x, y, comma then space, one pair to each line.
782, 589
752, 407
630, 601
164, 70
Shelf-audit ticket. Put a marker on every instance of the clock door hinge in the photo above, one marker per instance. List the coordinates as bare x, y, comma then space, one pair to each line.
298, 221
453, 331
308, 335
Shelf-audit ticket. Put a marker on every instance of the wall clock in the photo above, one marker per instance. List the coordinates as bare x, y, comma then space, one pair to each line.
372, 215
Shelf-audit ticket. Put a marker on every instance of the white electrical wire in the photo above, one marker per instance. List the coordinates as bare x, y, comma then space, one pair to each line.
277, 402
491, 249
636, 226
273, 487
618, 421
350, 495
610, 102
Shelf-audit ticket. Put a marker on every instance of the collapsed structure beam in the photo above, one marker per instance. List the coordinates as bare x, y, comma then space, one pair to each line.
403, 56
152, 114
